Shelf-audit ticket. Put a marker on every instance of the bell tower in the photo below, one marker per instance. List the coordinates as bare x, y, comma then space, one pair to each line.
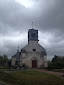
32, 35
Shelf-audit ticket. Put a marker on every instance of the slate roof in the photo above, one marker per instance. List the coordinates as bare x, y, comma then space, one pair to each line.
17, 56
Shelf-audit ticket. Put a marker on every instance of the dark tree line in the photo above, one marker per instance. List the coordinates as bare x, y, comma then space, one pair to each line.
56, 63
4, 61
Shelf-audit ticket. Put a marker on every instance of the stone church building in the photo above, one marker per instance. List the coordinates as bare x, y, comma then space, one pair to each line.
33, 55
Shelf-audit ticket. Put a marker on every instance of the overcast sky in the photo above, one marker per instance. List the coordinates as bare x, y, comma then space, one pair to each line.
16, 18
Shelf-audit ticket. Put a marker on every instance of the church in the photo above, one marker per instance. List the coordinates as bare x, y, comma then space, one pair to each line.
33, 55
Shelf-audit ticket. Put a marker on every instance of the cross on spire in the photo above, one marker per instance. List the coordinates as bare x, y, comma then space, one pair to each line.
32, 24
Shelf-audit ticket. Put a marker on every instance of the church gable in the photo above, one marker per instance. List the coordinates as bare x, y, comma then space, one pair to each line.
35, 46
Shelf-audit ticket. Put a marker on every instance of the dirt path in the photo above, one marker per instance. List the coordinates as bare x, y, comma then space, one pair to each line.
2, 84
49, 72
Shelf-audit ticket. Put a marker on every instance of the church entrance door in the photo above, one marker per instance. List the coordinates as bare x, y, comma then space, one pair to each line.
34, 64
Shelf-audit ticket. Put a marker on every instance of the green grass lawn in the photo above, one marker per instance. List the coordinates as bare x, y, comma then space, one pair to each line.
59, 70
4, 67
30, 78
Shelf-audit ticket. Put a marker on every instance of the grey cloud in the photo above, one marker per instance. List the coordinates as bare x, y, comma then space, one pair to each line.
48, 17
12, 15
53, 16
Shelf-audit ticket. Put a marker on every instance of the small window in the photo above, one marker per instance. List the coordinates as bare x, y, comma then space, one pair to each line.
34, 50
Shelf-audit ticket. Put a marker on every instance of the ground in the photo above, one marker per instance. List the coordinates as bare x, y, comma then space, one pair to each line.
31, 77
2, 84
60, 73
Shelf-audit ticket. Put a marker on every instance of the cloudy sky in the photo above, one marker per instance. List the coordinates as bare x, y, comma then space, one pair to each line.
16, 18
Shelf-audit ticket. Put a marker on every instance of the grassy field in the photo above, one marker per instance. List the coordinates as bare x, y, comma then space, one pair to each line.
59, 70
30, 78
4, 67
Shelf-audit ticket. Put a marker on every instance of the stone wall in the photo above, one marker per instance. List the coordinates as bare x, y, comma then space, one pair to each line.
32, 51
30, 56
13, 61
